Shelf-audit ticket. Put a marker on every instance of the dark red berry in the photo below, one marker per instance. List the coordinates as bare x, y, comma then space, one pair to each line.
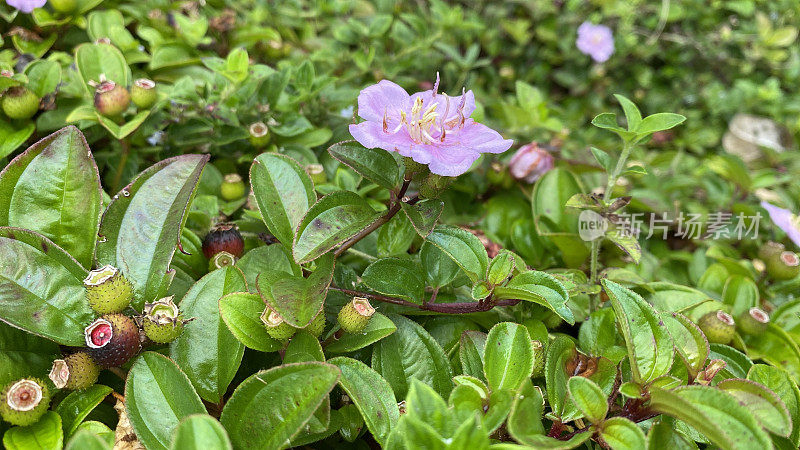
223, 238
113, 339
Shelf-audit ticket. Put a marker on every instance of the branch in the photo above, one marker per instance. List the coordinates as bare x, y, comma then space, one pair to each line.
447, 308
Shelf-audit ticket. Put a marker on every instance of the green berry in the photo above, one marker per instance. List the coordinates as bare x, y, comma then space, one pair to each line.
784, 266
317, 325
770, 250
276, 327
23, 402
718, 326
259, 134
317, 173
111, 99
75, 371
162, 322
143, 93
63, 6
20, 103
753, 321
232, 187
107, 290
220, 260
538, 358
113, 339
355, 315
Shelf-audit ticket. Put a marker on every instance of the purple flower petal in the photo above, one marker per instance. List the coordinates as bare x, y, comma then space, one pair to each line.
26, 6
596, 41
785, 220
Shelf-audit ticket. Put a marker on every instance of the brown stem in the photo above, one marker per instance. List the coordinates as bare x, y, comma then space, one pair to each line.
334, 337
394, 209
447, 308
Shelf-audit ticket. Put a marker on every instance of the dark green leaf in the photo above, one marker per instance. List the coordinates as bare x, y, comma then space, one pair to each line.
423, 215
463, 247
541, 288
396, 277
23, 354
375, 164
296, 299
78, 404
241, 312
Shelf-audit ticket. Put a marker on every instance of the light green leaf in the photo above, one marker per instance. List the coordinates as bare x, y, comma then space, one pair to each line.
200, 432
78, 404
43, 435
620, 433
589, 398
508, 359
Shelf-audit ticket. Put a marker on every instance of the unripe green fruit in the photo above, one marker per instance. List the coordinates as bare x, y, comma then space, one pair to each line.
220, 260
770, 250
317, 325
538, 359
111, 99
143, 93
64, 6
75, 371
785, 266
232, 187
276, 327
753, 321
718, 326
317, 173
162, 322
354, 316
20, 103
107, 290
24, 401
113, 339
259, 134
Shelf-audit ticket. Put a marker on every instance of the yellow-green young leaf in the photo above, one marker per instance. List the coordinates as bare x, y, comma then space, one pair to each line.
200, 432
272, 406
501, 267
765, 405
664, 435
332, 220
658, 122
43, 435
588, 397
78, 404
241, 312
525, 419
463, 247
157, 397
508, 359
620, 433
561, 350
626, 242
632, 114
378, 327
714, 413
778, 381
690, 342
284, 192
85, 439
650, 347
53, 188
375, 164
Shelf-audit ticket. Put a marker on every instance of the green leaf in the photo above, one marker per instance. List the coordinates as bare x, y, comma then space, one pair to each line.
650, 346
463, 247
374, 164
410, 352
424, 214
765, 405
538, 287
122, 131
500, 267
664, 435
589, 399
395, 237
372, 395
85, 439
608, 121
741, 293
272, 406
542, 442
78, 404
296, 299
157, 397
628, 243
206, 351
632, 114
284, 192
690, 342
508, 359
777, 348
378, 327
41, 288
92, 60
53, 188
714, 413
43, 76
23, 354
440, 269
266, 257
334, 219
424, 404
559, 352
602, 158
658, 122
200, 432
142, 225
241, 312
525, 419
471, 351
620, 433
43, 435
11, 137
779, 382
396, 277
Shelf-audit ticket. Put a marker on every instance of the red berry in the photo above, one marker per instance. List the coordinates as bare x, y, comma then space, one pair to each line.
223, 238
112, 339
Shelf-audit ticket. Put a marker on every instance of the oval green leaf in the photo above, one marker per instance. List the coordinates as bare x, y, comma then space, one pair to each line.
200, 432
508, 359
463, 247
374, 164
45, 434
620, 433
78, 404
589, 398
378, 327
241, 312
396, 277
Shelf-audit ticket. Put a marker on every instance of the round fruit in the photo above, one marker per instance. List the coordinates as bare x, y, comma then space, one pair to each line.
317, 325
143, 93
785, 266
23, 402
232, 187
111, 99
753, 321
355, 315
223, 238
220, 260
718, 326
20, 103
107, 290
317, 173
113, 339
276, 327
162, 322
259, 134
75, 371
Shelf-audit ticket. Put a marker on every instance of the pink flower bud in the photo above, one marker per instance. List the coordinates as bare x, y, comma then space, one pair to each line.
530, 162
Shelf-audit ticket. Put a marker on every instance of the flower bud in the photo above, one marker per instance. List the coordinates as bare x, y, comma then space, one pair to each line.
355, 315
718, 326
113, 339
143, 93
707, 375
232, 187
107, 290
259, 134
24, 402
753, 321
111, 99
162, 322
75, 371
530, 162
276, 327
19, 103
224, 237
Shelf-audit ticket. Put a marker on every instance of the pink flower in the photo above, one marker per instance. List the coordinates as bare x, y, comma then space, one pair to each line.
429, 127
26, 6
596, 41
785, 220
530, 162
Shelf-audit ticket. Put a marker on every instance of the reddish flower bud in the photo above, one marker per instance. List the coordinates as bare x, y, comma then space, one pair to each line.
530, 162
